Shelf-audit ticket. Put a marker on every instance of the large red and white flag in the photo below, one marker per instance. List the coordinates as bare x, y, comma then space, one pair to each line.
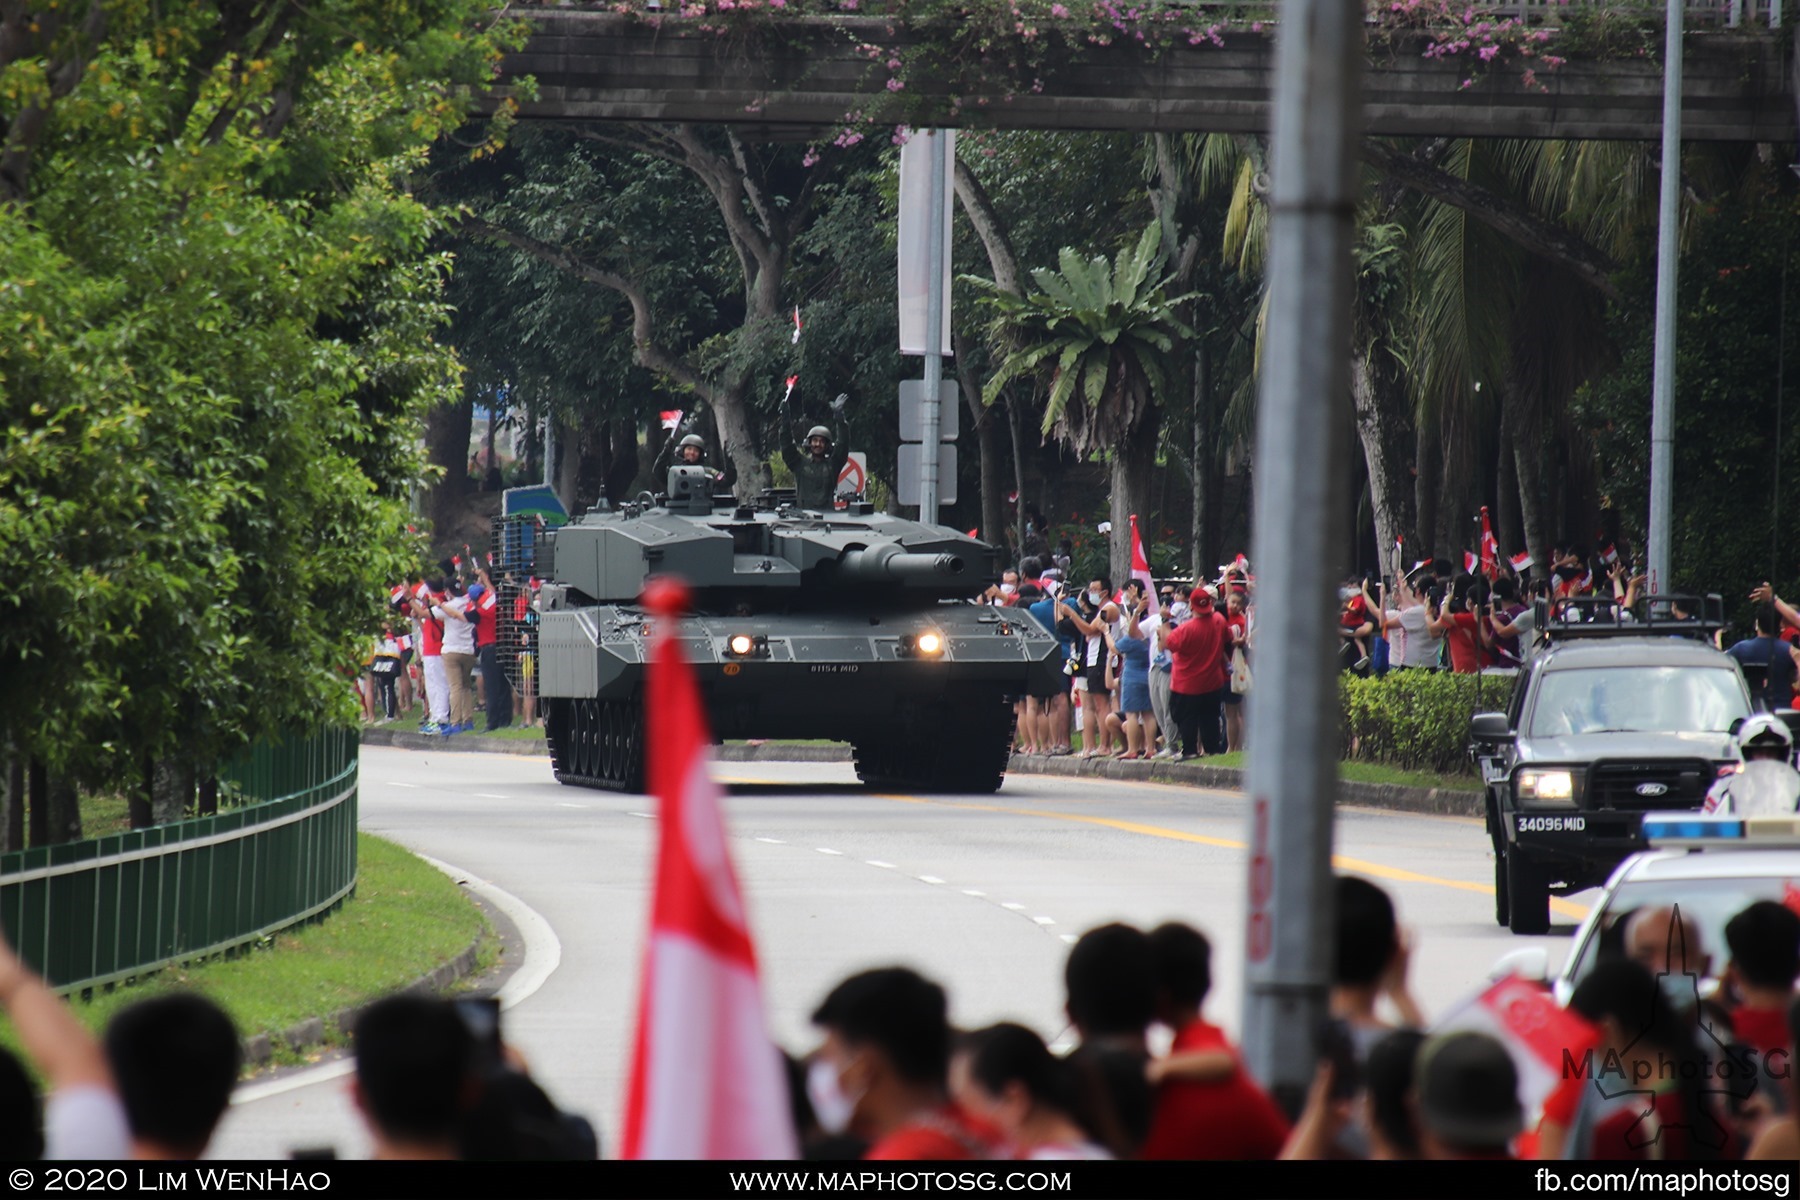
1490, 548
706, 1080
1525, 1018
1140, 567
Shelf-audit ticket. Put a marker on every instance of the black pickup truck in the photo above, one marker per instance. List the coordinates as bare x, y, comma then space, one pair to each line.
1614, 717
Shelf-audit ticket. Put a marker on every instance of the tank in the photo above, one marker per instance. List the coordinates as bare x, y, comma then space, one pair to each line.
852, 626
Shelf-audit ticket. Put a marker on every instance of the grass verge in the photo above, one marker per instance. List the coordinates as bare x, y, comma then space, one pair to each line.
406, 918
1362, 772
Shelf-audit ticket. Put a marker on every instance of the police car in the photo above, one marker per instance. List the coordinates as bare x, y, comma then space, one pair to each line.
1707, 868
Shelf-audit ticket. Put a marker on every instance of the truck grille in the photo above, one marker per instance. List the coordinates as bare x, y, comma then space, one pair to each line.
1616, 785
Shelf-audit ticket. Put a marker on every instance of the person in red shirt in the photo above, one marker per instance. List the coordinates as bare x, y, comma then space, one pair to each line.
496, 701
882, 1071
1197, 648
1764, 941
1652, 1093
1207, 1106
1466, 635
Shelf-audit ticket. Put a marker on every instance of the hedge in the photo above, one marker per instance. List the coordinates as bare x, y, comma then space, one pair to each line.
1418, 720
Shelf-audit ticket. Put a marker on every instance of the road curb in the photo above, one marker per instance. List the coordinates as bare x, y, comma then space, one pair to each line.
407, 739
259, 1048
1433, 801
1396, 797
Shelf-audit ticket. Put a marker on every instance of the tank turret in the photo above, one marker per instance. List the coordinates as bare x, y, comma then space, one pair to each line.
855, 626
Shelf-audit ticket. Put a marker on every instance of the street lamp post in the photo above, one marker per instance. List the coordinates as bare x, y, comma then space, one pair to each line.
1662, 386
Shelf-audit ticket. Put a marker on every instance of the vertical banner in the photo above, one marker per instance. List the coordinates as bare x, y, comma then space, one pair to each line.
915, 240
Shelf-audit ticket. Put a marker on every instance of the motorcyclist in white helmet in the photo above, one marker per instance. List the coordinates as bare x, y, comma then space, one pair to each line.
1767, 784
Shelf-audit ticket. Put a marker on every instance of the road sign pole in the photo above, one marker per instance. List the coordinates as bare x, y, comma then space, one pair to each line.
1301, 469
1668, 251
938, 141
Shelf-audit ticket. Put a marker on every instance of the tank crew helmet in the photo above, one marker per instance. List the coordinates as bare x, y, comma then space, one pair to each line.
1765, 735
692, 448
820, 432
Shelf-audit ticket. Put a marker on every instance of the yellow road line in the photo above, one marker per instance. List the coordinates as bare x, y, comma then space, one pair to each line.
1378, 870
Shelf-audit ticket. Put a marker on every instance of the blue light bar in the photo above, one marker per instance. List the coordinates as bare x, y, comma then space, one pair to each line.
1664, 830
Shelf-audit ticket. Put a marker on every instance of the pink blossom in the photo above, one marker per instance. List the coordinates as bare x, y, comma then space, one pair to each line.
1057, 10
894, 85
1487, 53
811, 159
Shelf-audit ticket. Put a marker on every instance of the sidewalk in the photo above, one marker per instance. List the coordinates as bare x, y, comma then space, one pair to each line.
1434, 801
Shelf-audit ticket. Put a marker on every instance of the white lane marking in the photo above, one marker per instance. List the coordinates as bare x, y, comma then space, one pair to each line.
1044, 920
397, 783
646, 816
929, 879
1070, 938
1013, 907
876, 862
541, 955
825, 850
497, 796
566, 804
772, 841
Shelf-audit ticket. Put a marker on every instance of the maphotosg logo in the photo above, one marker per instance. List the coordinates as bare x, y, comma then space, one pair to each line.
1685, 1050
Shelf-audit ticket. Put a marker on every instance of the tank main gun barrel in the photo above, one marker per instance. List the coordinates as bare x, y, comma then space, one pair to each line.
890, 564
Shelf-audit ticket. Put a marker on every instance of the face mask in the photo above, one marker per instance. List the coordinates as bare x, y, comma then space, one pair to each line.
1007, 589
1678, 990
1094, 598
830, 1104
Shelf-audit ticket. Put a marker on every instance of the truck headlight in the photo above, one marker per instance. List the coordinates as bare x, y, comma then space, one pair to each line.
1547, 787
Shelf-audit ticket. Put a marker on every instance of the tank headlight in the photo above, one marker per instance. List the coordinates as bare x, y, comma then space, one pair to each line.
741, 643
930, 643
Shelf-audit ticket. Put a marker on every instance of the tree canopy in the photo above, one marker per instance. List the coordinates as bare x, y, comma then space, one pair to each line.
219, 302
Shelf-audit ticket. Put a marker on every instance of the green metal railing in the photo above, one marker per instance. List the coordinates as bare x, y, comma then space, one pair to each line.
104, 910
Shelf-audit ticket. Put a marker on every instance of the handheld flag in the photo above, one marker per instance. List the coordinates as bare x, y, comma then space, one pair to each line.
789, 395
1490, 548
1140, 566
1521, 561
1609, 554
1470, 562
706, 1080
1536, 1031
671, 418
796, 325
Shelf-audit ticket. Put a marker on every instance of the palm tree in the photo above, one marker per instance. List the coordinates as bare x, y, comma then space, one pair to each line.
1101, 335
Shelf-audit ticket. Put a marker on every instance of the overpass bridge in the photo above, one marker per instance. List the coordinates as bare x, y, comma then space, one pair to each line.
818, 73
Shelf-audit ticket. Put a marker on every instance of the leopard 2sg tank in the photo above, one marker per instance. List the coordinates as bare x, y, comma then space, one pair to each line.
853, 626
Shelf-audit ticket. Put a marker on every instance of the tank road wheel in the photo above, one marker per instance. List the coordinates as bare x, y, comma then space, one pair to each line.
621, 745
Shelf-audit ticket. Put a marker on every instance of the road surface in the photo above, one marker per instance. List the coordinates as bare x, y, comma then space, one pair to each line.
982, 893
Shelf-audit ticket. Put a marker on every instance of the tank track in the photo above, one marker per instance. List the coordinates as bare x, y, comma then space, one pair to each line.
962, 752
597, 743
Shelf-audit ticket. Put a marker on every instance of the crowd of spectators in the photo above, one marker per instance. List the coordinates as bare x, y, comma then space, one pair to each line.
442, 643
1143, 1073
1145, 675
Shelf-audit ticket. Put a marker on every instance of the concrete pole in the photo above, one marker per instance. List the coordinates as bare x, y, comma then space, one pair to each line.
938, 141
1662, 385
1301, 472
